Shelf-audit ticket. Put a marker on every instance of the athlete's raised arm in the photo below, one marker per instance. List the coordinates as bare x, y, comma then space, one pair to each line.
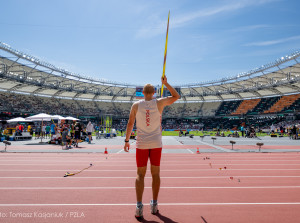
162, 102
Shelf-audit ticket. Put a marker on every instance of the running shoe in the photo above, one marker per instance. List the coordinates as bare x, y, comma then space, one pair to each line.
139, 212
154, 207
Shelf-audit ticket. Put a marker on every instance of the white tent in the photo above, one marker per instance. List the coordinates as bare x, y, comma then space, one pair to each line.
19, 119
59, 117
40, 117
71, 118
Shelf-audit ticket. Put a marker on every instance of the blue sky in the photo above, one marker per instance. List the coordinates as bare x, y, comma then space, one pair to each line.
124, 40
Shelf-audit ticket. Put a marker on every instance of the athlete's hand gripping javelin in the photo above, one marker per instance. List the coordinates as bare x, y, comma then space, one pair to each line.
164, 80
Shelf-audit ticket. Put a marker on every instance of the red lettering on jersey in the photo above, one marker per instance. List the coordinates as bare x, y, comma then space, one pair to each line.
147, 117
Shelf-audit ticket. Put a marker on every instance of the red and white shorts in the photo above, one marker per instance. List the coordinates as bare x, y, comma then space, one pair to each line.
142, 156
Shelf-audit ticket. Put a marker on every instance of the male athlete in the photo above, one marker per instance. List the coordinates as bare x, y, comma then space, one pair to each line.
147, 114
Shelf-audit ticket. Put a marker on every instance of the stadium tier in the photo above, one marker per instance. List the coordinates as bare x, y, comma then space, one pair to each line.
31, 104
29, 86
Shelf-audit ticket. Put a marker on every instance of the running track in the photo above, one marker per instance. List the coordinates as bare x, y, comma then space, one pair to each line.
33, 189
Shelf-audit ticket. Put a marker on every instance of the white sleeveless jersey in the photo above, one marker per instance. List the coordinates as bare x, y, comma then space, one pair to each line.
148, 124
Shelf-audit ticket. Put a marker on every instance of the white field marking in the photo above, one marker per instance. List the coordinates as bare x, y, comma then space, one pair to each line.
181, 170
87, 154
200, 145
186, 162
178, 165
225, 139
110, 188
163, 165
146, 204
217, 147
130, 161
190, 151
214, 155
116, 153
208, 177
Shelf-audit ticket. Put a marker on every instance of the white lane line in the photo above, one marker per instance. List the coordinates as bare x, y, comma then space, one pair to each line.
163, 165
116, 152
122, 150
214, 155
208, 177
146, 204
190, 152
130, 161
162, 170
216, 147
110, 188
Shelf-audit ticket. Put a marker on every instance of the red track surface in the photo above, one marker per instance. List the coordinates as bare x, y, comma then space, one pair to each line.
110, 147
265, 188
290, 147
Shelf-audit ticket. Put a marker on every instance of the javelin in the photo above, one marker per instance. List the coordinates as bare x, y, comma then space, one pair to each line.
165, 57
72, 174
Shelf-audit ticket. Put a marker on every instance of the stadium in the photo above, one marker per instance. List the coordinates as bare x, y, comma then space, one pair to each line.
265, 101
217, 141
265, 95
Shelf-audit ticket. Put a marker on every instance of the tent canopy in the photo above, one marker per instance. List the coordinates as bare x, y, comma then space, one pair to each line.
40, 117
58, 117
71, 118
19, 119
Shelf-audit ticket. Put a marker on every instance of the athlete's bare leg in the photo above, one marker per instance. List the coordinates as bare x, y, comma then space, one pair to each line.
139, 183
155, 171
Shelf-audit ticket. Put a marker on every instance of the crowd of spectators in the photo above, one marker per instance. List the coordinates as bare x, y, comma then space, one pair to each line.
20, 103
287, 127
26, 103
192, 116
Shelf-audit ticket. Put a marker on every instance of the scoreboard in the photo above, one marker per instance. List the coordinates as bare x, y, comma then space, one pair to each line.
167, 93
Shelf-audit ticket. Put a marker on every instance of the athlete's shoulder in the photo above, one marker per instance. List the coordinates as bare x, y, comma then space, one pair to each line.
135, 105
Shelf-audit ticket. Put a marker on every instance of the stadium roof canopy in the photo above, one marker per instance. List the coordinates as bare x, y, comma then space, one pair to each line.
22, 73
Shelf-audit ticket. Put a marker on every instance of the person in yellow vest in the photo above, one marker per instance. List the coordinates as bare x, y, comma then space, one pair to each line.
29, 129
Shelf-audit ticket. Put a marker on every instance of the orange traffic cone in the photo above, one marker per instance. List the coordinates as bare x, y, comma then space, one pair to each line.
105, 152
198, 152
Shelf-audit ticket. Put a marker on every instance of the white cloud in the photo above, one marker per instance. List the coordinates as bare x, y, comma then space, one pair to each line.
251, 28
273, 42
159, 26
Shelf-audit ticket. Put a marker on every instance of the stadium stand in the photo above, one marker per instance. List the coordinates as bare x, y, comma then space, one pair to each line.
40, 87
293, 107
192, 109
227, 107
21, 103
283, 102
175, 110
209, 109
246, 106
123, 109
264, 104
